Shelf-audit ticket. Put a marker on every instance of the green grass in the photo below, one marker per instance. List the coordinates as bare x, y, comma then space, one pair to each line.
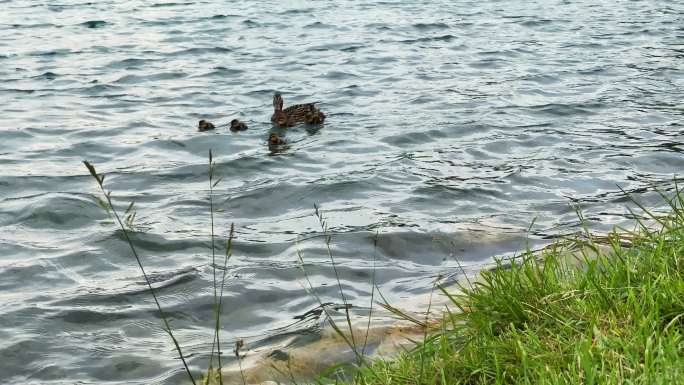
617, 317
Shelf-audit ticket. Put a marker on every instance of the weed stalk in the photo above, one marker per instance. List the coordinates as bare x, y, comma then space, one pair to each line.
167, 326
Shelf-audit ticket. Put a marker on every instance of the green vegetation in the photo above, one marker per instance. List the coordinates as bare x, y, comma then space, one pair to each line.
616, 317
606, 310
218, 285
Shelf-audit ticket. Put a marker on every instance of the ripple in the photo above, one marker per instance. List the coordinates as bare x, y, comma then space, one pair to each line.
136, 79
430, 26
51, 211
201, 51
220, 16
89, 317
47, 76
129, 63
250, 23
100, 89
50, 53
447, 37
168, 5
564, 110
94, 24
223, 72
445, 137
37, 25
319, 25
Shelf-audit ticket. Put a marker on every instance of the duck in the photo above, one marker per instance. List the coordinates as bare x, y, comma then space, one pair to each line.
275, 140
236, 125
314, 117
205, 125
294, 114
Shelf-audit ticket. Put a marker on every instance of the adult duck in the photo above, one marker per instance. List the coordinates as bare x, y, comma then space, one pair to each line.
299, 113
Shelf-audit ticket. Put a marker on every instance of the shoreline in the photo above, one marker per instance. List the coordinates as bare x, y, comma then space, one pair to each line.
290, 361
592, 310
612, 315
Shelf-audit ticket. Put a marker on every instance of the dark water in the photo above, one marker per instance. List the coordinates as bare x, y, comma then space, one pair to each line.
451, 126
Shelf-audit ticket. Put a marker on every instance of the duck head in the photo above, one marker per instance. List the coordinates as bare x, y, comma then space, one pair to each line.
279, 118
277, 102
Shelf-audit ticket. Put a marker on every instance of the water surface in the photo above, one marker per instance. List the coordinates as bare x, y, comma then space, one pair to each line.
452, 125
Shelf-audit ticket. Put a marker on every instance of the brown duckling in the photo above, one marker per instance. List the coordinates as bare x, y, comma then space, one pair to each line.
291, 115
275, 140
205, 125
236, 125
314, 117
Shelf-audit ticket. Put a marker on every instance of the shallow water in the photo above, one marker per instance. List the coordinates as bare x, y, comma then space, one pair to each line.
451, 126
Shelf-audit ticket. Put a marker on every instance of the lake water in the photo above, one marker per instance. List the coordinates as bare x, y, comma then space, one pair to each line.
452, 125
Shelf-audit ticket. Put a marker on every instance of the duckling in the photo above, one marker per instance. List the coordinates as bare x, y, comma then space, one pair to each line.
236, 125
314, 117
291, 115
275, 140
205, 125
